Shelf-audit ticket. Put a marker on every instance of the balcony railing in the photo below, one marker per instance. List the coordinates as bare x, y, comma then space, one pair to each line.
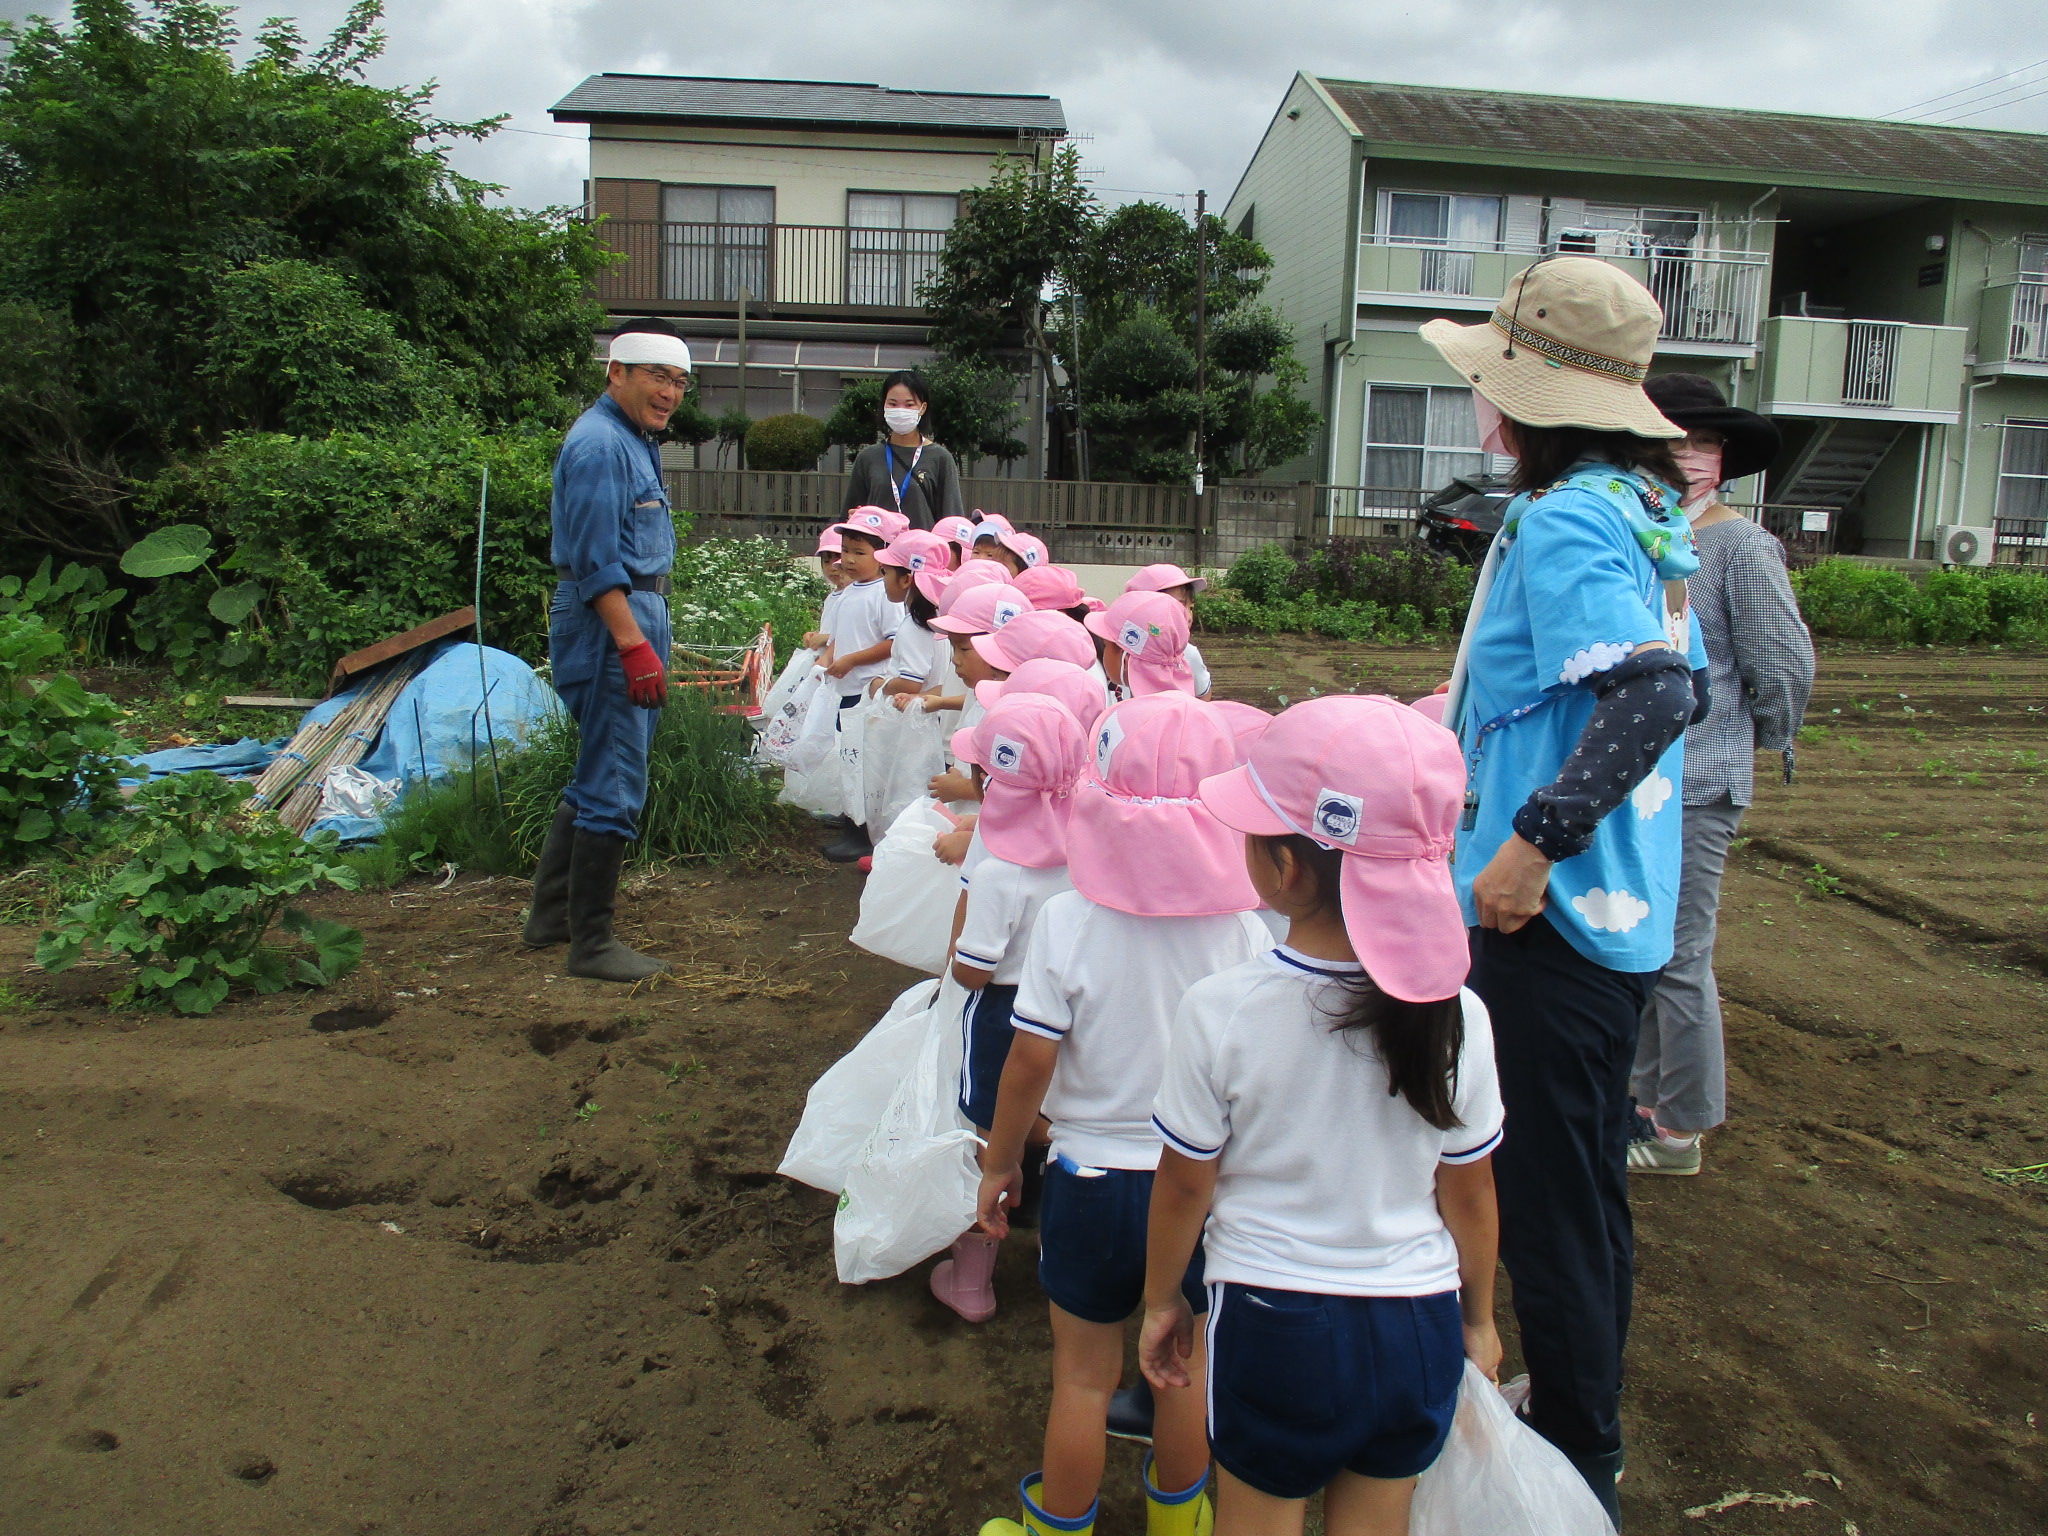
2014, 328
818, 264
1716, 300
1877, 368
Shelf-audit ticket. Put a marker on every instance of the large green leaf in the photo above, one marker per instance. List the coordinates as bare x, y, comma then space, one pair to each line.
337, 948
169, 551
231, 605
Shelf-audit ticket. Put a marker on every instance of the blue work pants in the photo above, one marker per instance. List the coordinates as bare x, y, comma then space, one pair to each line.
614, 733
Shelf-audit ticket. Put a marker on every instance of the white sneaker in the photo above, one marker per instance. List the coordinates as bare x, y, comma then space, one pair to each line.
1653, 1154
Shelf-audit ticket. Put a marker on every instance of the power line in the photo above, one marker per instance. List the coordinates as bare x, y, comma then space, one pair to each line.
1998, 104
1985, 102
1963, 89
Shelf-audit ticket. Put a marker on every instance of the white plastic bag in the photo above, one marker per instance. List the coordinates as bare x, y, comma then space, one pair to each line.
788, 703
853, 724
912, 1188
816, 792
1498, 1476
847, 1102
907, 904
351, 791
901, 749
814, 744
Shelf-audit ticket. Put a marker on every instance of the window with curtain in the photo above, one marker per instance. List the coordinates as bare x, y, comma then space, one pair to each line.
716, 241
893, 241
1417, 439
1450, 219
2023, 471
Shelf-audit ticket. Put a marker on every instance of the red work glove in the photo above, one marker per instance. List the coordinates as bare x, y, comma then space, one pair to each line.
646, 679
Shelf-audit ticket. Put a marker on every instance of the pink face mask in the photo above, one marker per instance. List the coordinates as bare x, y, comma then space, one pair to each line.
1489, 426
1702, 468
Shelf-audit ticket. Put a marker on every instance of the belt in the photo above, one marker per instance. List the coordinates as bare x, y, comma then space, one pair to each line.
660, 585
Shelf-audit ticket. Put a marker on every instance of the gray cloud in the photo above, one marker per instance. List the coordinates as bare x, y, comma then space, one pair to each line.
1173, 94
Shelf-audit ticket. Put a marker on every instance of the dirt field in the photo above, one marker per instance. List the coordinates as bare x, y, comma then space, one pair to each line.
468, 1247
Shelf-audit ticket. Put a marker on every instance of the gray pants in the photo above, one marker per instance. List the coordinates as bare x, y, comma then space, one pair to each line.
1681, 1069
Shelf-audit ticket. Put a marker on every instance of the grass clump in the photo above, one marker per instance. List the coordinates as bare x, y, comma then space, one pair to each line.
1852, 601
1343, 589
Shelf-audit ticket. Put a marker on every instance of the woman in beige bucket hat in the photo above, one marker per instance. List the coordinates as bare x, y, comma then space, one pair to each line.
1573, 689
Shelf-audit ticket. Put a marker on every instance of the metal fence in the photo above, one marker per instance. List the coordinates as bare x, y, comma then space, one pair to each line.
1808, 533
774, 263
2019, 541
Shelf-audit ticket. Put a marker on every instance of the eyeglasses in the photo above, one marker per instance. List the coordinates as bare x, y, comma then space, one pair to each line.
666, 377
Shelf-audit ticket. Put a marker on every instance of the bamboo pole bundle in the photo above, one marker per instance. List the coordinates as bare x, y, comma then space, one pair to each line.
291, 784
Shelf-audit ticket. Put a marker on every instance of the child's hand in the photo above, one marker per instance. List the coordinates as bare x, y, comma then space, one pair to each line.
909, 703
816, 640
952, 785
1165, 1343
1482, 1348
838, 668
1001, 1189
951, 847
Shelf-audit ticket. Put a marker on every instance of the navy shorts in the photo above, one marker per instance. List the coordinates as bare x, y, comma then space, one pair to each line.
985, 1024
1303, 1386
1091, 1243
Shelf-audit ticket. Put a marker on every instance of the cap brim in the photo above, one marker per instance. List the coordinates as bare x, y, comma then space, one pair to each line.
1529, 388
945, 623
1403, 919
1235, 801
987, 693
989, 647
1431, 706
1751, 442
1098, 624
962, 745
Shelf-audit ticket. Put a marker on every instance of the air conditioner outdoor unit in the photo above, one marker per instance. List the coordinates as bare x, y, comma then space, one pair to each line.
1960, 544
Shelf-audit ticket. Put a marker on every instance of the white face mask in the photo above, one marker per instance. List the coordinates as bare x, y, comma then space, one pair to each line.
902, 418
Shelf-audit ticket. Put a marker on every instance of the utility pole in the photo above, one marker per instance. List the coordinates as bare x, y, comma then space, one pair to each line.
740, 448
1201, 361
1074, 354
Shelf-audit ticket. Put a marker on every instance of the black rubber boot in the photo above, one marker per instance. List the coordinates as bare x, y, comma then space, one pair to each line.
1130, 1412
594, 951
547, 919
852, 846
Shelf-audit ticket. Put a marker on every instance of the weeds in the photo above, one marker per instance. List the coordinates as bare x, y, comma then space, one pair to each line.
14, 1000
586, 1111
1823, 884
2032, 1176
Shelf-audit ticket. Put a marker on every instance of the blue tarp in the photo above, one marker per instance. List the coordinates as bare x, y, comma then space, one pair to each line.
236, 759
438, 725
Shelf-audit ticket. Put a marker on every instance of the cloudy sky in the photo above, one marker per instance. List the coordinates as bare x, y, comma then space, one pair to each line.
1172, 95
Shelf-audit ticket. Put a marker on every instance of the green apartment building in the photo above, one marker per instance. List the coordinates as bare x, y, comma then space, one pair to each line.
1879, 289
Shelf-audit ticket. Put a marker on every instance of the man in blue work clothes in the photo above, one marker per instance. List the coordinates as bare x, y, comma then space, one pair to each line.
608, 640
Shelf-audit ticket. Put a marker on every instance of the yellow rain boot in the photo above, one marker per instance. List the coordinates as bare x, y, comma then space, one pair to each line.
1187, 1513
1038, 1523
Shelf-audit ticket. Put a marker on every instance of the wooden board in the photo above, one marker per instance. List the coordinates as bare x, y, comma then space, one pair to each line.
376, 655
266, 701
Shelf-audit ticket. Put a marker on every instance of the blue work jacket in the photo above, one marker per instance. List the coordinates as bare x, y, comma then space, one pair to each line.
610, 513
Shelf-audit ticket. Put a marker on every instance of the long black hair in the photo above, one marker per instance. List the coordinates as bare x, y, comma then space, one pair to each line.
1544, 455
913, 381
1418, 1043
922, 610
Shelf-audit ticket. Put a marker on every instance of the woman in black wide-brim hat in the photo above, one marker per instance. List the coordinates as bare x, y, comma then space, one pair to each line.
1760, 669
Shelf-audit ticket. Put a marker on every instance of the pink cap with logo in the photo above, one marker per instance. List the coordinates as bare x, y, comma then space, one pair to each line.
955, 530
1033, 635
1056, 587
1141, 840
1151, 630
1384, 786
1076, 687
1028, 547
1163, 577
875, 522
938, 585
988, 523
980, 610
915, 550
1032, 750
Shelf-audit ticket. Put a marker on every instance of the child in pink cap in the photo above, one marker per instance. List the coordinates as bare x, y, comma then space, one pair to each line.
971, 611
1181, 587
1055, 588
1160, 900
916, 657
1330, 1109
1076, 687
958, 532
1030, 750
1033, 635
1148, 639
837, 579
863, 636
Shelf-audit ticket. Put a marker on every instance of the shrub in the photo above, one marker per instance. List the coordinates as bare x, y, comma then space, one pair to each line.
1855, 602
1346, 589
726, 589
1263, 575
1948, 607
329, 544
198, 895
1952, 608
76, 601
792, 441
60, 755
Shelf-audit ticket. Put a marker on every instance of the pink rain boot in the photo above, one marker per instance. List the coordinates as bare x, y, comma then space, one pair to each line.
964, 1282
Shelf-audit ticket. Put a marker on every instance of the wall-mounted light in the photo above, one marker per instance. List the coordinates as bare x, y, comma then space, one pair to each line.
1294, 114
1937, 242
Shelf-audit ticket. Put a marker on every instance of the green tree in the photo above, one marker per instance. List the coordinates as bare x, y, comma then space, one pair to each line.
160, 203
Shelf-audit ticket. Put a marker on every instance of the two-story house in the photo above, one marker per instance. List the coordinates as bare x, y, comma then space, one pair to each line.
806, 212
1878, 289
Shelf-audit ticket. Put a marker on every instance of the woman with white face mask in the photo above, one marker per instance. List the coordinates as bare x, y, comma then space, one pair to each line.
906, 472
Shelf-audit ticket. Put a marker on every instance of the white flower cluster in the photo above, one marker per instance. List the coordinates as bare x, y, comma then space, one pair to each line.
725, 589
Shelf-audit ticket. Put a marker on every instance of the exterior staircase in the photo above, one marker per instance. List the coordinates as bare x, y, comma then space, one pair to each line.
1836, 463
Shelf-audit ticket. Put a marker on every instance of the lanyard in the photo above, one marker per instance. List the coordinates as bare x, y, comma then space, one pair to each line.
899, 489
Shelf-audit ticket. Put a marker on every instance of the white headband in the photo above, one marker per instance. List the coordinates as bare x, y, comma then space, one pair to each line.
651, 347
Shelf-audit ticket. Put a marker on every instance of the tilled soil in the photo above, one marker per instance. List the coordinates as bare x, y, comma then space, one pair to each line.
467, 1246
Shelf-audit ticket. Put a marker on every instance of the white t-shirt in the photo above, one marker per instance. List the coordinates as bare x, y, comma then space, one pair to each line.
1199, 667
1003, 902
916, 654
1105, 985
1325, 1183
830, 607
865, 617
